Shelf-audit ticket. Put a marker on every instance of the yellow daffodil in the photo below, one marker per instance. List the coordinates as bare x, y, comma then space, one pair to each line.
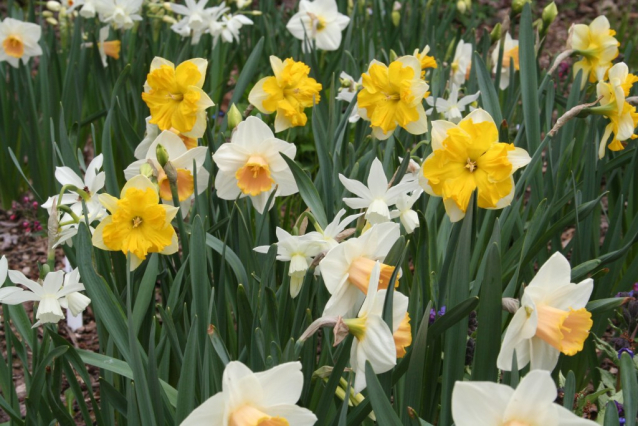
598, 47
468, 156
425, 60
19, 41
622, 115
392, 97
175, 96
288, 93
138, 223
510, 54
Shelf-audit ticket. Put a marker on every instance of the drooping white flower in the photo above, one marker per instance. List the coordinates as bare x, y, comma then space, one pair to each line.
510, 55
377, 198
19, 41
348, 92
318, 21
330, 234
451, 108
57, 291
299, 250
408, 217
347, 267
552, 319
460, 67
122, 14
195, 18
532, 403
247, 398
107, 48
229, 28
251, 165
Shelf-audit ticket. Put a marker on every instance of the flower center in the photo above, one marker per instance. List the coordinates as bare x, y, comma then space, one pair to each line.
455, 66
13, 46
254, 178
516, 423
511, 54
137, 221
251, 416
318, 23
564, 330
470, 165
361, 269
357, 327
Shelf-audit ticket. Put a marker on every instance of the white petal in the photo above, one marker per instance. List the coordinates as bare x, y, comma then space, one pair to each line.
543, 355
282, 384
479, 403
556, 271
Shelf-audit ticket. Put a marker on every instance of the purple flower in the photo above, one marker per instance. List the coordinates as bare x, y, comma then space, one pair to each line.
432, 315
629, 351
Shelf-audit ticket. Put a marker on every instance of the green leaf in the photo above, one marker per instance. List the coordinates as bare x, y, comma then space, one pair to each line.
308, 192
380, 405
629, 384
187, 386
145, 296
489, 97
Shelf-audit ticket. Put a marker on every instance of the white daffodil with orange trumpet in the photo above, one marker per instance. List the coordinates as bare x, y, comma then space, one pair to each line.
552, 319
251, 165
510, 56
461, 64
20, 41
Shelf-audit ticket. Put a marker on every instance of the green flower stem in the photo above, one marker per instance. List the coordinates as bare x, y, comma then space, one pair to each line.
171, 174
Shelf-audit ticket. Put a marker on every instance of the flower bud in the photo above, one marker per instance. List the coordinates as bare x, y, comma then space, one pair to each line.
496, 33
167, 6
461, 6
162, 155
396, 18
47, 14
234, 117
549, 14
393, 55
54, 6
52, 21
171, 173
517, 5
168, 19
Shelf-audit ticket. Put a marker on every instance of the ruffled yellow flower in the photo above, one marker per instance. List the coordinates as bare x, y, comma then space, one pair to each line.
289, 92
392, 97
598, 47
468, 156
425, 60
623, 117
175, 96
138, 224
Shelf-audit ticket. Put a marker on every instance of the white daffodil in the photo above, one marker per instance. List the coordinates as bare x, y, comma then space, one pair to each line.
452, 109
510, 54
462, 63
318, 21
88, 10
6, 292
377, 198
348, 92
374, 341
552, 319
532, 403
347, 267
182, 160
20, 41
408, 217
251, 165
107, 48
230, 26
299, 250
195, 18
56, 292
122, 14
331, 235
247, 398
152, 132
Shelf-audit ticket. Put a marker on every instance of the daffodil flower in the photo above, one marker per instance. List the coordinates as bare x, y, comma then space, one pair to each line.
552, 319
347, 267
251, 165
88, 9
462, 63
332, 234
425, 60
318, 21
59, 290
152, 132
408, 217
392, 97
122, 14
228, 27
194, 15
19, 41
247, 399
452, 108
347, 92
6, 292
288, 93
106, 48
138, 223
376, 198
598, 47
299, 250
175, 96
493, 404
468, 156
622, 115
510, 54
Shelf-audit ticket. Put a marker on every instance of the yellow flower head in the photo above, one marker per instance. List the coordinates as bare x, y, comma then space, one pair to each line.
598, 47
138, 224
425, 60
392, 97
468, 156
288, 93
175, 96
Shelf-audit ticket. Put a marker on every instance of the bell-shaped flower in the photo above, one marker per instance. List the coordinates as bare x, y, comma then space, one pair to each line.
623, 118
376, 198
288, 93
247, 399
392, 97
122, 14
186, 162
251, 165
462, 63
408, 217
510, 55
348, 92
347, 267
57, 291
468, 156
318, 21
138, 223
598, 47
175, 96
452, 108
299, 250
20, 41
552, 319
493, 404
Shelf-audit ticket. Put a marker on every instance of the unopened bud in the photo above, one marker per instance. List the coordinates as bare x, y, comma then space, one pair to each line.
496, 33
256, 12
234, 116
549, 14
393, 55
167, 6
517, 5
322, 372
510, 305
47, 14
52, 21
468, 3
168, 19
461, 6
171, 173
396, 18
162, 155
54, 6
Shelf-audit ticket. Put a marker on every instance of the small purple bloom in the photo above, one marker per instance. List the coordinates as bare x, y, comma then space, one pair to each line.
432, 315
442, 311
629, 351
